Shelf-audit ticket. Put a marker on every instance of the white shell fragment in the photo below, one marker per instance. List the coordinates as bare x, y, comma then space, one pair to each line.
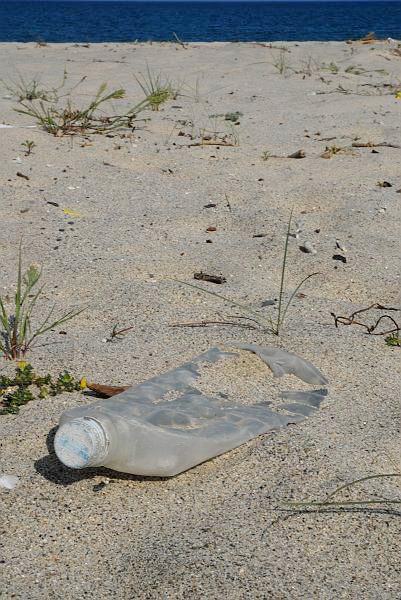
340, 246
298, 229
9, 482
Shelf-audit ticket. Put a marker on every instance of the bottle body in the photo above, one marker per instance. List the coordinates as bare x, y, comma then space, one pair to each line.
161, 441
143, 432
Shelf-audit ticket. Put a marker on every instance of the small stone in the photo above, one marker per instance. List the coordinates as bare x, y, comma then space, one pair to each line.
308, 248
340, 246
340, 258
9, 482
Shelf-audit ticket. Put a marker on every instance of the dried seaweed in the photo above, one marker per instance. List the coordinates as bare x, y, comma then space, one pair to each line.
370, 329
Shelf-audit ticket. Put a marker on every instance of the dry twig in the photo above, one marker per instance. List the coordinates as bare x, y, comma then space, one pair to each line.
370, 329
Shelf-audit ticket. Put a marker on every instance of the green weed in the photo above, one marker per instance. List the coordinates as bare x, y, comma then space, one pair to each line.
17, 391
332, 67
23, 90
393, 340
281, 63
18, 336
29, 145
70, 119
156, 88
29, 90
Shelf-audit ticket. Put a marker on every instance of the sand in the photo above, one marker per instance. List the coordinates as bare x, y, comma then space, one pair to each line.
222, 529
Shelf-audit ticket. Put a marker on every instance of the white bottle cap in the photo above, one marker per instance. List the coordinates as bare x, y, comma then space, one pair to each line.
81, 442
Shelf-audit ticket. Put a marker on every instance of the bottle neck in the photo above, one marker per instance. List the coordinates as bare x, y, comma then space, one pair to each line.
82, 442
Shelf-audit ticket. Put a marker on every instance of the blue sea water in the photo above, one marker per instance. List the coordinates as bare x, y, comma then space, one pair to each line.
106, 21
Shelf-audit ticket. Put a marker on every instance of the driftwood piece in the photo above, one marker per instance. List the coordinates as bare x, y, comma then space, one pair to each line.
105, 391
211, 278
297, 154
211, 143
373, 145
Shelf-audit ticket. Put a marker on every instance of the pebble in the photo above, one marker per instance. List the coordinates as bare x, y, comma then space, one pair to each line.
9, 482
308, 248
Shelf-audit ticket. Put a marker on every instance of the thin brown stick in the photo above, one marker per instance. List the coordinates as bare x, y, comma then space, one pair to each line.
179, 41
115, 333
207, 143
374, 305
273, 47
207, 323
373, 145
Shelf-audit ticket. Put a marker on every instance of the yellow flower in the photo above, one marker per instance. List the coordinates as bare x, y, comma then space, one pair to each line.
71, 212
398, 95
83, 383
21, 364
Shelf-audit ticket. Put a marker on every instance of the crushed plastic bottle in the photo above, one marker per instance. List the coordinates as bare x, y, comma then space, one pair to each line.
143, 431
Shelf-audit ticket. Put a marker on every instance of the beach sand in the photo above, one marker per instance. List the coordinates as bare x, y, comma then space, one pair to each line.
222, 529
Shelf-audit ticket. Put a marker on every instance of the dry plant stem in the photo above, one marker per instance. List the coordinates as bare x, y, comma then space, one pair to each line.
372, 145
179, 41
328, 500
229, 300
207, 143
207, 323
115, 333
369, 328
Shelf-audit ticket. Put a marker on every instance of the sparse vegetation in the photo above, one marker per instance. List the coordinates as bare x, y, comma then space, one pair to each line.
17, 391
281, 63
356, 70
332, 67
230, 116
71, 119
393, 339
17, 336
29, 145
156, 88
271, 325
29, 90
23, 90
309, 66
